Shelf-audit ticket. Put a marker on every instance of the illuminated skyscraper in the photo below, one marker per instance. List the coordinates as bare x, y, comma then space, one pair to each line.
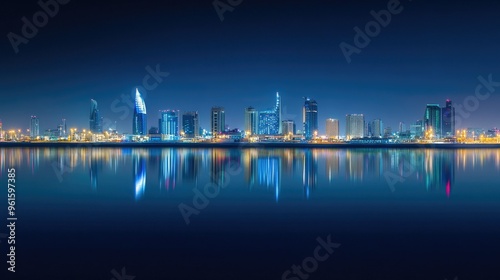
34, 127
310, 118
218, 120
64, 128
139, 125
95, 119
432, 120
448, 119
376, 128
332, 128
251, 121
355, 126
288, 127
190, 125
269, 121
278, 114
169, 123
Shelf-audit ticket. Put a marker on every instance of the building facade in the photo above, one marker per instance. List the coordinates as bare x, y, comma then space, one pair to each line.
218, 120
190, 125
95, 119
448, 119
34, 127
432, 120
355, 126
169, 123
288, 127
310, 118
332, 128
251, 121
140, 122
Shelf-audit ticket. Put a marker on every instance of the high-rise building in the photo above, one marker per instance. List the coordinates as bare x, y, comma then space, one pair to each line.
278, 113
1, 130
310, 118
417, 129
402, 127
387, 132
448, 119
432, 120
332, 128
267, 123
288, 127
95, 119
139, 125
190, 125
251, 121
169, 123
64, 128
218, 120
34, 127
355, 126
377, 128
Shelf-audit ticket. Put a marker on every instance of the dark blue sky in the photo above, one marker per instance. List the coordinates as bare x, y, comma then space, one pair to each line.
431, 51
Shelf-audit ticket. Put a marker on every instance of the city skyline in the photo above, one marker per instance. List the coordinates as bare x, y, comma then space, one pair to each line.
197, 62
435, 116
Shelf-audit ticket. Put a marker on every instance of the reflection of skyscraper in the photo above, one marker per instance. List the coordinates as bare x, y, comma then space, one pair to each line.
95, 165
355, 126
251, 121
448, 171
218, 120
448, 118
190, 125
269, 169
95, 119
168, 168
190, 162
34, 127
310, 118
139, 125
139, 163
332, 164
354, 167
310, 171
439, 170
432, 120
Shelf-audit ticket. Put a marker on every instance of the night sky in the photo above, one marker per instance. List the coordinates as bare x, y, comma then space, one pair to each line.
430, 51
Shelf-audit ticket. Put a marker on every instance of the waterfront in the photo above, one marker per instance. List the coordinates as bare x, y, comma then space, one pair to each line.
397, 213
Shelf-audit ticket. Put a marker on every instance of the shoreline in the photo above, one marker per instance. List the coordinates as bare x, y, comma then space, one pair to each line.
244, 145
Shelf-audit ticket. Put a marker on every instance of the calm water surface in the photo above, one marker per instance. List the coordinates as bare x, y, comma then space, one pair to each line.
253, 213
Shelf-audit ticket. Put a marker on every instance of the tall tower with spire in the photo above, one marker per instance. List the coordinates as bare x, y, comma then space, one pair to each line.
139, 125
